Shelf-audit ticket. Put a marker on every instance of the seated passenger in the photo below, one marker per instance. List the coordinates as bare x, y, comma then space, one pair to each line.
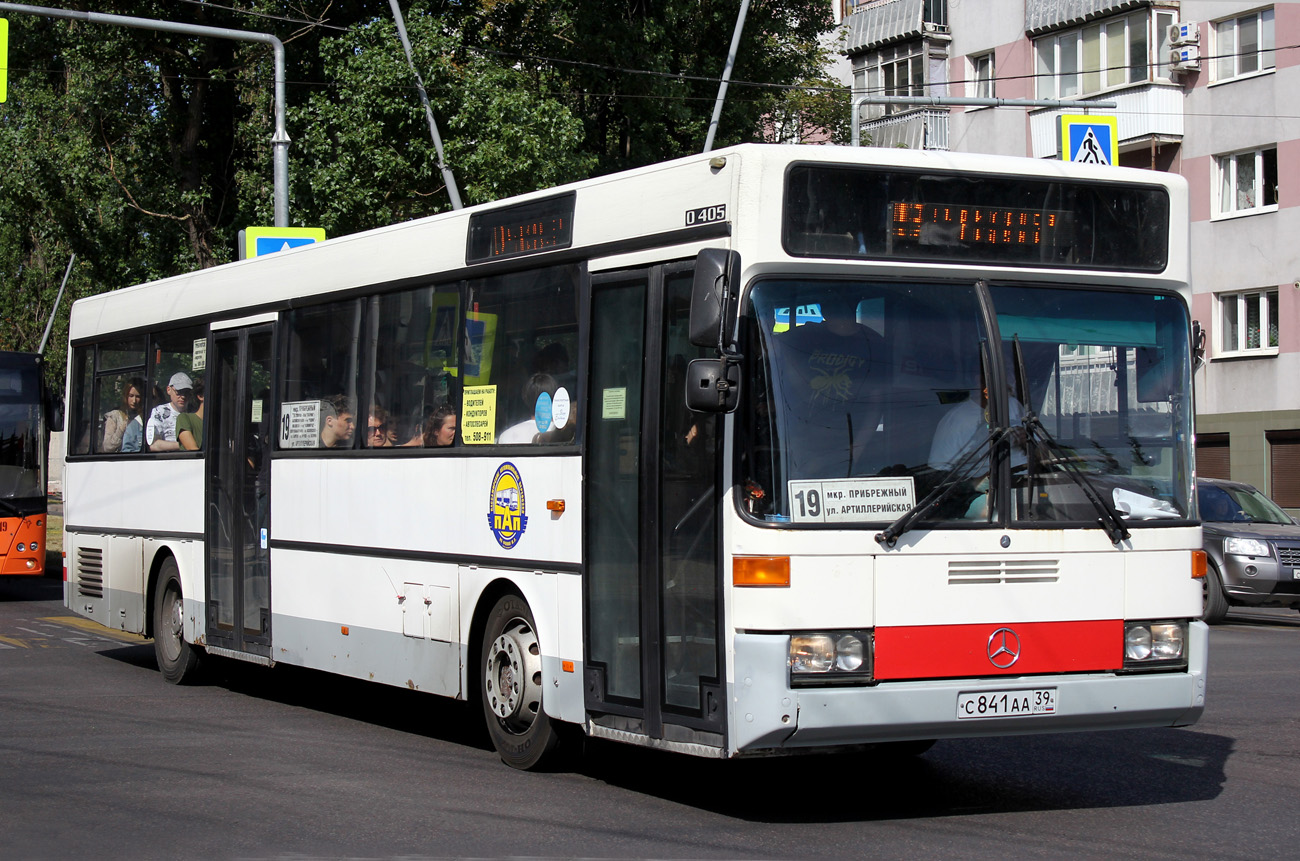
377, 428
161, 430
440, 426
189, 426
339, 424
526, 431
118, 423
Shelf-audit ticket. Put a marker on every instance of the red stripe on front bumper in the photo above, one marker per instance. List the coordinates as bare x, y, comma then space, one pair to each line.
960, 651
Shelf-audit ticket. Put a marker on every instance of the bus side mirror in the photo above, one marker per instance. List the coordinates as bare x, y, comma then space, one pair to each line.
54, 413
712, 385
713, 291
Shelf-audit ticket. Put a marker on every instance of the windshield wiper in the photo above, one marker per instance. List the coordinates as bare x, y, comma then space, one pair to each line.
961, 471
1038, 436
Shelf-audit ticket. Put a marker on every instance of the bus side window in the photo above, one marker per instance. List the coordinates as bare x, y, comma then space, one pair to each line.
416, 357
523, 358
323, 366
84, 424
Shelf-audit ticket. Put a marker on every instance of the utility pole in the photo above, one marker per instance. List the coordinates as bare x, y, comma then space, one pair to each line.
726, 74
279, 140
447, 176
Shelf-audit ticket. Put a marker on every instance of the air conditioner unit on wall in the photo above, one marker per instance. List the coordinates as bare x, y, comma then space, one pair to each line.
1185, 33
1186, 58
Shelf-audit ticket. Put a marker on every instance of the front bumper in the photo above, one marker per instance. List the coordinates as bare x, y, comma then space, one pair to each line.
1271, 582
769, 716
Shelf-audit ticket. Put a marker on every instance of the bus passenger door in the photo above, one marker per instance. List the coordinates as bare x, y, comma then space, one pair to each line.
238, 437
651, 590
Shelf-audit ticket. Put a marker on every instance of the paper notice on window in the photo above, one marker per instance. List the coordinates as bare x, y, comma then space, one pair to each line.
478, 415
613, 404
851, 500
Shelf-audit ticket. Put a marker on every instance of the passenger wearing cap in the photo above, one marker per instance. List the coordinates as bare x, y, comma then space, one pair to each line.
160, 433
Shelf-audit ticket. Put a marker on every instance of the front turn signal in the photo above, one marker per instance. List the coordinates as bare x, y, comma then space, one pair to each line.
760, 571
1198, 565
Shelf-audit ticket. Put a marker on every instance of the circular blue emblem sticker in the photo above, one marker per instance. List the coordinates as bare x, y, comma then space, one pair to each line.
507, 517
542, 413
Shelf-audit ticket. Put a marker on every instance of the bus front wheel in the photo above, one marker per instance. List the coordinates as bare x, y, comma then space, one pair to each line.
178, 661
511, 687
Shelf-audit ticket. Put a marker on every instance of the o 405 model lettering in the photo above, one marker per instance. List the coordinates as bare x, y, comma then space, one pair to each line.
706, 215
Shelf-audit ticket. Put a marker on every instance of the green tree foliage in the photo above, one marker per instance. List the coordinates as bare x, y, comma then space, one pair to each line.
145, 152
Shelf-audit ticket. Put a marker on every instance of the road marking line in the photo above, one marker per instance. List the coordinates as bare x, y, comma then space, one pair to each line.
12, 643
92, 627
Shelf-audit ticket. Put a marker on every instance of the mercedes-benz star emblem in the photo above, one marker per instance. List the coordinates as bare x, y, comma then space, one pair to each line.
1004, 648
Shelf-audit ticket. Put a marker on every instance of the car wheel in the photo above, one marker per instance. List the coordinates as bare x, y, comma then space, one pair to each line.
511, 687
1215, 605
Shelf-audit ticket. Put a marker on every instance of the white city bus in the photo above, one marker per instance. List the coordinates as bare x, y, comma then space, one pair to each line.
759, 451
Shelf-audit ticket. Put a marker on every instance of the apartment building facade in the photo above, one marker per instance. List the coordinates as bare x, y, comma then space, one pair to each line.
1206, 89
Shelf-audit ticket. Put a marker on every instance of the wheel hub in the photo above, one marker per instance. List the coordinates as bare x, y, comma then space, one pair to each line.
513, 676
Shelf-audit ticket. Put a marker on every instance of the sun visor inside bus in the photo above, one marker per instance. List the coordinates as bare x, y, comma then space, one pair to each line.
1101, 333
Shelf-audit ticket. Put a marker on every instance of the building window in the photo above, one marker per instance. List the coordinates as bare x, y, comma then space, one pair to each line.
1246, 182
1213, 458
982, 76
1284, 467
1243, 46
898, 70
1248, 322
1097, 57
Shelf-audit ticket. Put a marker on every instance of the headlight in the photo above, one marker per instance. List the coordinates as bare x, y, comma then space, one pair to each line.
830, 657
1246, 547
1155, 645
21, 547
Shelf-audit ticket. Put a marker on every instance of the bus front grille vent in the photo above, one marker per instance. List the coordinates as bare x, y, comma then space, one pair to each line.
90, 572
986, 571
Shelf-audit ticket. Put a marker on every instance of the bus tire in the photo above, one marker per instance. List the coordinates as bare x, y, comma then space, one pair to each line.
178, 661
511, 686
1215, 608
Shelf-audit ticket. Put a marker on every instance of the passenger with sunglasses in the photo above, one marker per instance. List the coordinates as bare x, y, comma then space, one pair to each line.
377, 435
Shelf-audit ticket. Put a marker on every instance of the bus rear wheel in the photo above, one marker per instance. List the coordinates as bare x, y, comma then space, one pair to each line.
178, 661
511, 688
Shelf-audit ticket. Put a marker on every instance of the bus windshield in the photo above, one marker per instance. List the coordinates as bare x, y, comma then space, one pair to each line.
21, 440
866, 398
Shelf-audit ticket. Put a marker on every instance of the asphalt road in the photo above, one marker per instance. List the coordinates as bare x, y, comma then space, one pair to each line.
99, 757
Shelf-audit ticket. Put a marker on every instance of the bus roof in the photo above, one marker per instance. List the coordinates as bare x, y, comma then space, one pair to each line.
651, 205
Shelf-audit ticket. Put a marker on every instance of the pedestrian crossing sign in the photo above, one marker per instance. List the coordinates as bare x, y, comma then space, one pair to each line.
259, 241
1089, 139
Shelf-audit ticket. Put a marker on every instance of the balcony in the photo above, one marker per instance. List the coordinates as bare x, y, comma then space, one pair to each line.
872, 23
1145, 112
923, 128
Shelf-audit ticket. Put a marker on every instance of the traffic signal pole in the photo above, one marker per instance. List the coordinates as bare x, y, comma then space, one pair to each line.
279, 140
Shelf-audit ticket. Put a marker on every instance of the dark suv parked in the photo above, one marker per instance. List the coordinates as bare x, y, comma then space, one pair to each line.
1253, 548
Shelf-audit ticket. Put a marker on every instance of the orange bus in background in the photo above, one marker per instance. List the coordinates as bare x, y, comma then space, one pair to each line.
26, 410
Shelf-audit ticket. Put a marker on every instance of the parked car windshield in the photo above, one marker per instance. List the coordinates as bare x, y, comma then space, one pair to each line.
1221, 504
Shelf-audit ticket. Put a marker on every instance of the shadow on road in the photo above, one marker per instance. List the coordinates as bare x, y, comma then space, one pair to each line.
1129, 768
31, 589
1111, 769
1264, 617
399, 709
